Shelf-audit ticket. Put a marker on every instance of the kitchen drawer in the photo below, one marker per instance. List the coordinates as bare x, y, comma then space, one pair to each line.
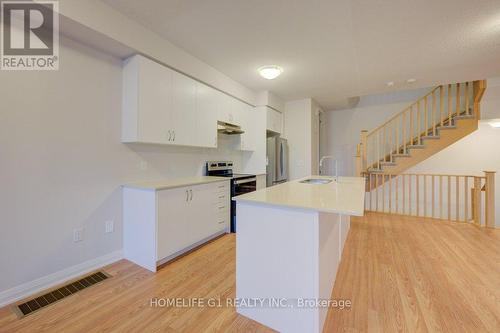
223, 223
222, 197
222, 186
223, 207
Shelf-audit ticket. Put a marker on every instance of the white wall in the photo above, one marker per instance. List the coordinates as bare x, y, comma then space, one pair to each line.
315, 133
301, 129
267, 98
490, 104
297, 130
62, 164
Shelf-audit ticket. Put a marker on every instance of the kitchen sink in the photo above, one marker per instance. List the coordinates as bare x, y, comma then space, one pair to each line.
316, 181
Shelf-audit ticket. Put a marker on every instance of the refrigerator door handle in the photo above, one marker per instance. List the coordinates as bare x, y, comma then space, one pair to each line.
285, 163
281, 160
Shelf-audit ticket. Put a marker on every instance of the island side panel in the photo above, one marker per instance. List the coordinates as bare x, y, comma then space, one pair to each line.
345, 225
330, 251
139, 227
277, 257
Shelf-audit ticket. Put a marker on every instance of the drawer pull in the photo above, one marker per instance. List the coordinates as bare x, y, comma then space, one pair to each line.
222, 222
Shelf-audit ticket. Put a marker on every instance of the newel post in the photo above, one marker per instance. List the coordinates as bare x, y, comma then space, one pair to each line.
364, 137
489, 188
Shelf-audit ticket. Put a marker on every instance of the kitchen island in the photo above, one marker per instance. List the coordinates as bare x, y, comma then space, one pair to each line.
289, 244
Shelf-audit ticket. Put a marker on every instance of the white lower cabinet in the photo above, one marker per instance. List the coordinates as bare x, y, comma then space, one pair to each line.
173, 220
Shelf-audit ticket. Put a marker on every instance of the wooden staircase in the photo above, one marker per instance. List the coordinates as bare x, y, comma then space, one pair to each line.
435, 121
443, 116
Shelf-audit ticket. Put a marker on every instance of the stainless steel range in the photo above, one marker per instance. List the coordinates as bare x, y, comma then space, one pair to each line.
240, 183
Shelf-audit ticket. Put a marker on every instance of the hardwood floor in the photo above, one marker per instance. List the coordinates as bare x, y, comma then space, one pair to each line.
401, 274
406, 274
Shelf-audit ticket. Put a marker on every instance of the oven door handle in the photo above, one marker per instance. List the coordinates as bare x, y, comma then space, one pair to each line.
244, 181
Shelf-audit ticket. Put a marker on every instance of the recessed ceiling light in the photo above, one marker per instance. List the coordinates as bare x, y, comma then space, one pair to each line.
390, 83
495, 123
270, 72
411, 81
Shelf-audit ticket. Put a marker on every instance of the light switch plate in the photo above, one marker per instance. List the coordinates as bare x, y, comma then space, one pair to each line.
77, 235
143, 165
110, 226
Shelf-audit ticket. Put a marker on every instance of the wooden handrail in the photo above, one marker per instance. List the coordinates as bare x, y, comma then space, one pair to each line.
408, 142
404, 110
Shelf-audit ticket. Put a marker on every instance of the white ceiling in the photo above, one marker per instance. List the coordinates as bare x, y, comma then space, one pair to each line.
332, 49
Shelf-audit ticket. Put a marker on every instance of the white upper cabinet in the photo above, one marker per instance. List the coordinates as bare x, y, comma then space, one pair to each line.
183, 110
229, 109
147, 102
249, 139
163, 106
274, 121
206, 111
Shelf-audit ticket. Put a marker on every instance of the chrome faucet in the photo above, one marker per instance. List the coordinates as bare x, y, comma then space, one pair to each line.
326, 158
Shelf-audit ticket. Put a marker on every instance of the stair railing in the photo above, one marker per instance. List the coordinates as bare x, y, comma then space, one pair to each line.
438, 108
459, 198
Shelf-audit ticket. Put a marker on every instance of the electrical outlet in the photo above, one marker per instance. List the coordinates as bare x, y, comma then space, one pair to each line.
77, 235
110, 226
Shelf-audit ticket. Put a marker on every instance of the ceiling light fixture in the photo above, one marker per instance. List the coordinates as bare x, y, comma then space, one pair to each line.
390, 83
411, 80
270, 72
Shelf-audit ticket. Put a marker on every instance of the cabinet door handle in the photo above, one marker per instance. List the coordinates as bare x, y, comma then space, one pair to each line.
187, 195
191, 191
174, 135
169, 135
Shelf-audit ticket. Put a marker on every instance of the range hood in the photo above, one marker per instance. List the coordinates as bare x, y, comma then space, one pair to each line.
229, 129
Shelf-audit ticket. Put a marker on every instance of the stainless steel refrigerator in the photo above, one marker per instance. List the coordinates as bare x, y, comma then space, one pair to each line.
277, 161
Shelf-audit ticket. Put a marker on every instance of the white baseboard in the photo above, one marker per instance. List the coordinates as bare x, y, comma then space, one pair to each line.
24, 290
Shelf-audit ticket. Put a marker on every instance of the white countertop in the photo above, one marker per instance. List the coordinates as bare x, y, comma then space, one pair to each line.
175, 182
347, 196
